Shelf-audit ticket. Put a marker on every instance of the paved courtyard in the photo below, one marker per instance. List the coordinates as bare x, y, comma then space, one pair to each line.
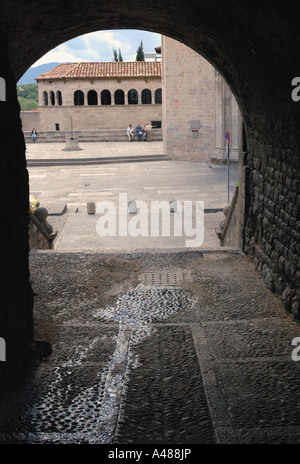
165, 180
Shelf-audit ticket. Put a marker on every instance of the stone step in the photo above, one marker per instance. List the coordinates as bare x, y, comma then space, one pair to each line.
104, 135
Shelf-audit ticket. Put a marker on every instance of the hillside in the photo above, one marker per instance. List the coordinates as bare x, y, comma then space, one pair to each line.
32, 73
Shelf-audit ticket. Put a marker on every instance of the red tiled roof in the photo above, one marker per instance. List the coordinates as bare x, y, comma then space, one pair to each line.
98, 70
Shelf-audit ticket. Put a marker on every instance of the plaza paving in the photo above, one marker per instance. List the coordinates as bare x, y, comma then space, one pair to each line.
74, 186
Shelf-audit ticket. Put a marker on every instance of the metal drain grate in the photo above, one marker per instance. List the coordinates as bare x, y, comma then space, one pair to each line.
161, 278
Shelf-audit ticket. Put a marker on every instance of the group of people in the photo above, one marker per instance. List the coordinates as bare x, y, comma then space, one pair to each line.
142, 133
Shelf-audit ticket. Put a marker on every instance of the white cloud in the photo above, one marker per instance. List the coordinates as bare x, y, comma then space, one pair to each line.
59, 54
107, 37
98, 46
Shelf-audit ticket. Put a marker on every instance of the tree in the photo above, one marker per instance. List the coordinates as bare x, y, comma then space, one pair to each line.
140, 53
115, 55
28, 96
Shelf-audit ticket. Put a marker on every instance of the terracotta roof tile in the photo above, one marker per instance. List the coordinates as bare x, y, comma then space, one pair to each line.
98, 70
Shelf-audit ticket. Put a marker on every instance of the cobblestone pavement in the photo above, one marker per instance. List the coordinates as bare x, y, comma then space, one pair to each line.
179, 347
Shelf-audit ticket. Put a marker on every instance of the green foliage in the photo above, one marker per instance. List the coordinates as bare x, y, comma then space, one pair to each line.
140, 53
115, 55
28, 96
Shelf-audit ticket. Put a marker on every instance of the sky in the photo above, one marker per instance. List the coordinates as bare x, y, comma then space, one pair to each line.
98, 46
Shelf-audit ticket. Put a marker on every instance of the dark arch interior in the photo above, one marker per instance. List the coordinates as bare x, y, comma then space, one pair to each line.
158, 96
133, 97
59, 97
105, 97
78, 98
146, 97
119, 97
255, 46
92, 97
52, 98
45, 98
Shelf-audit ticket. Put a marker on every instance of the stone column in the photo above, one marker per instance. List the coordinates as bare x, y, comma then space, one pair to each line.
219, 117
227, 116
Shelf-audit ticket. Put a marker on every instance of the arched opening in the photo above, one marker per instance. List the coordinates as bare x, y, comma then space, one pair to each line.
59, 98
105, 97
146, 97
52, 98
119, 97
92, 97
272, 121
45, 98
133, 97
78, 98
158, 96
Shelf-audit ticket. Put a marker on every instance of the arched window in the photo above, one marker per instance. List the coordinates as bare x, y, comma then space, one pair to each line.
92, 97
133, 98
146, 97
119, 97
45, 98
59, 97
158, 96
105, 97
52, 98
78, 98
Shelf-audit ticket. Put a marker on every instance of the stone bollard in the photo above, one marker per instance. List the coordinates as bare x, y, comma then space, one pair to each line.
91, 207
132, 207
173, 206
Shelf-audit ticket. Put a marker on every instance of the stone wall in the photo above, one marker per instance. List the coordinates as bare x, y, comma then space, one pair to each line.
104, 135
30, 120
272, 232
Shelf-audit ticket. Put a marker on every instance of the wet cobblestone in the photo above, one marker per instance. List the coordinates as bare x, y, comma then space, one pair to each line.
165, 400
207, 360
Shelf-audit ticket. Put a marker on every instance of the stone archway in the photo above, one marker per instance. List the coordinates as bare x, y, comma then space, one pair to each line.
255, 47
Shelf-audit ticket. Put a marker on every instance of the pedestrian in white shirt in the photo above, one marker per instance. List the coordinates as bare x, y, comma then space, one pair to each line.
130, 133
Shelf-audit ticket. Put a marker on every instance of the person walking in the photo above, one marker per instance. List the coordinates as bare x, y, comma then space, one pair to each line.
33, 134
130, 133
